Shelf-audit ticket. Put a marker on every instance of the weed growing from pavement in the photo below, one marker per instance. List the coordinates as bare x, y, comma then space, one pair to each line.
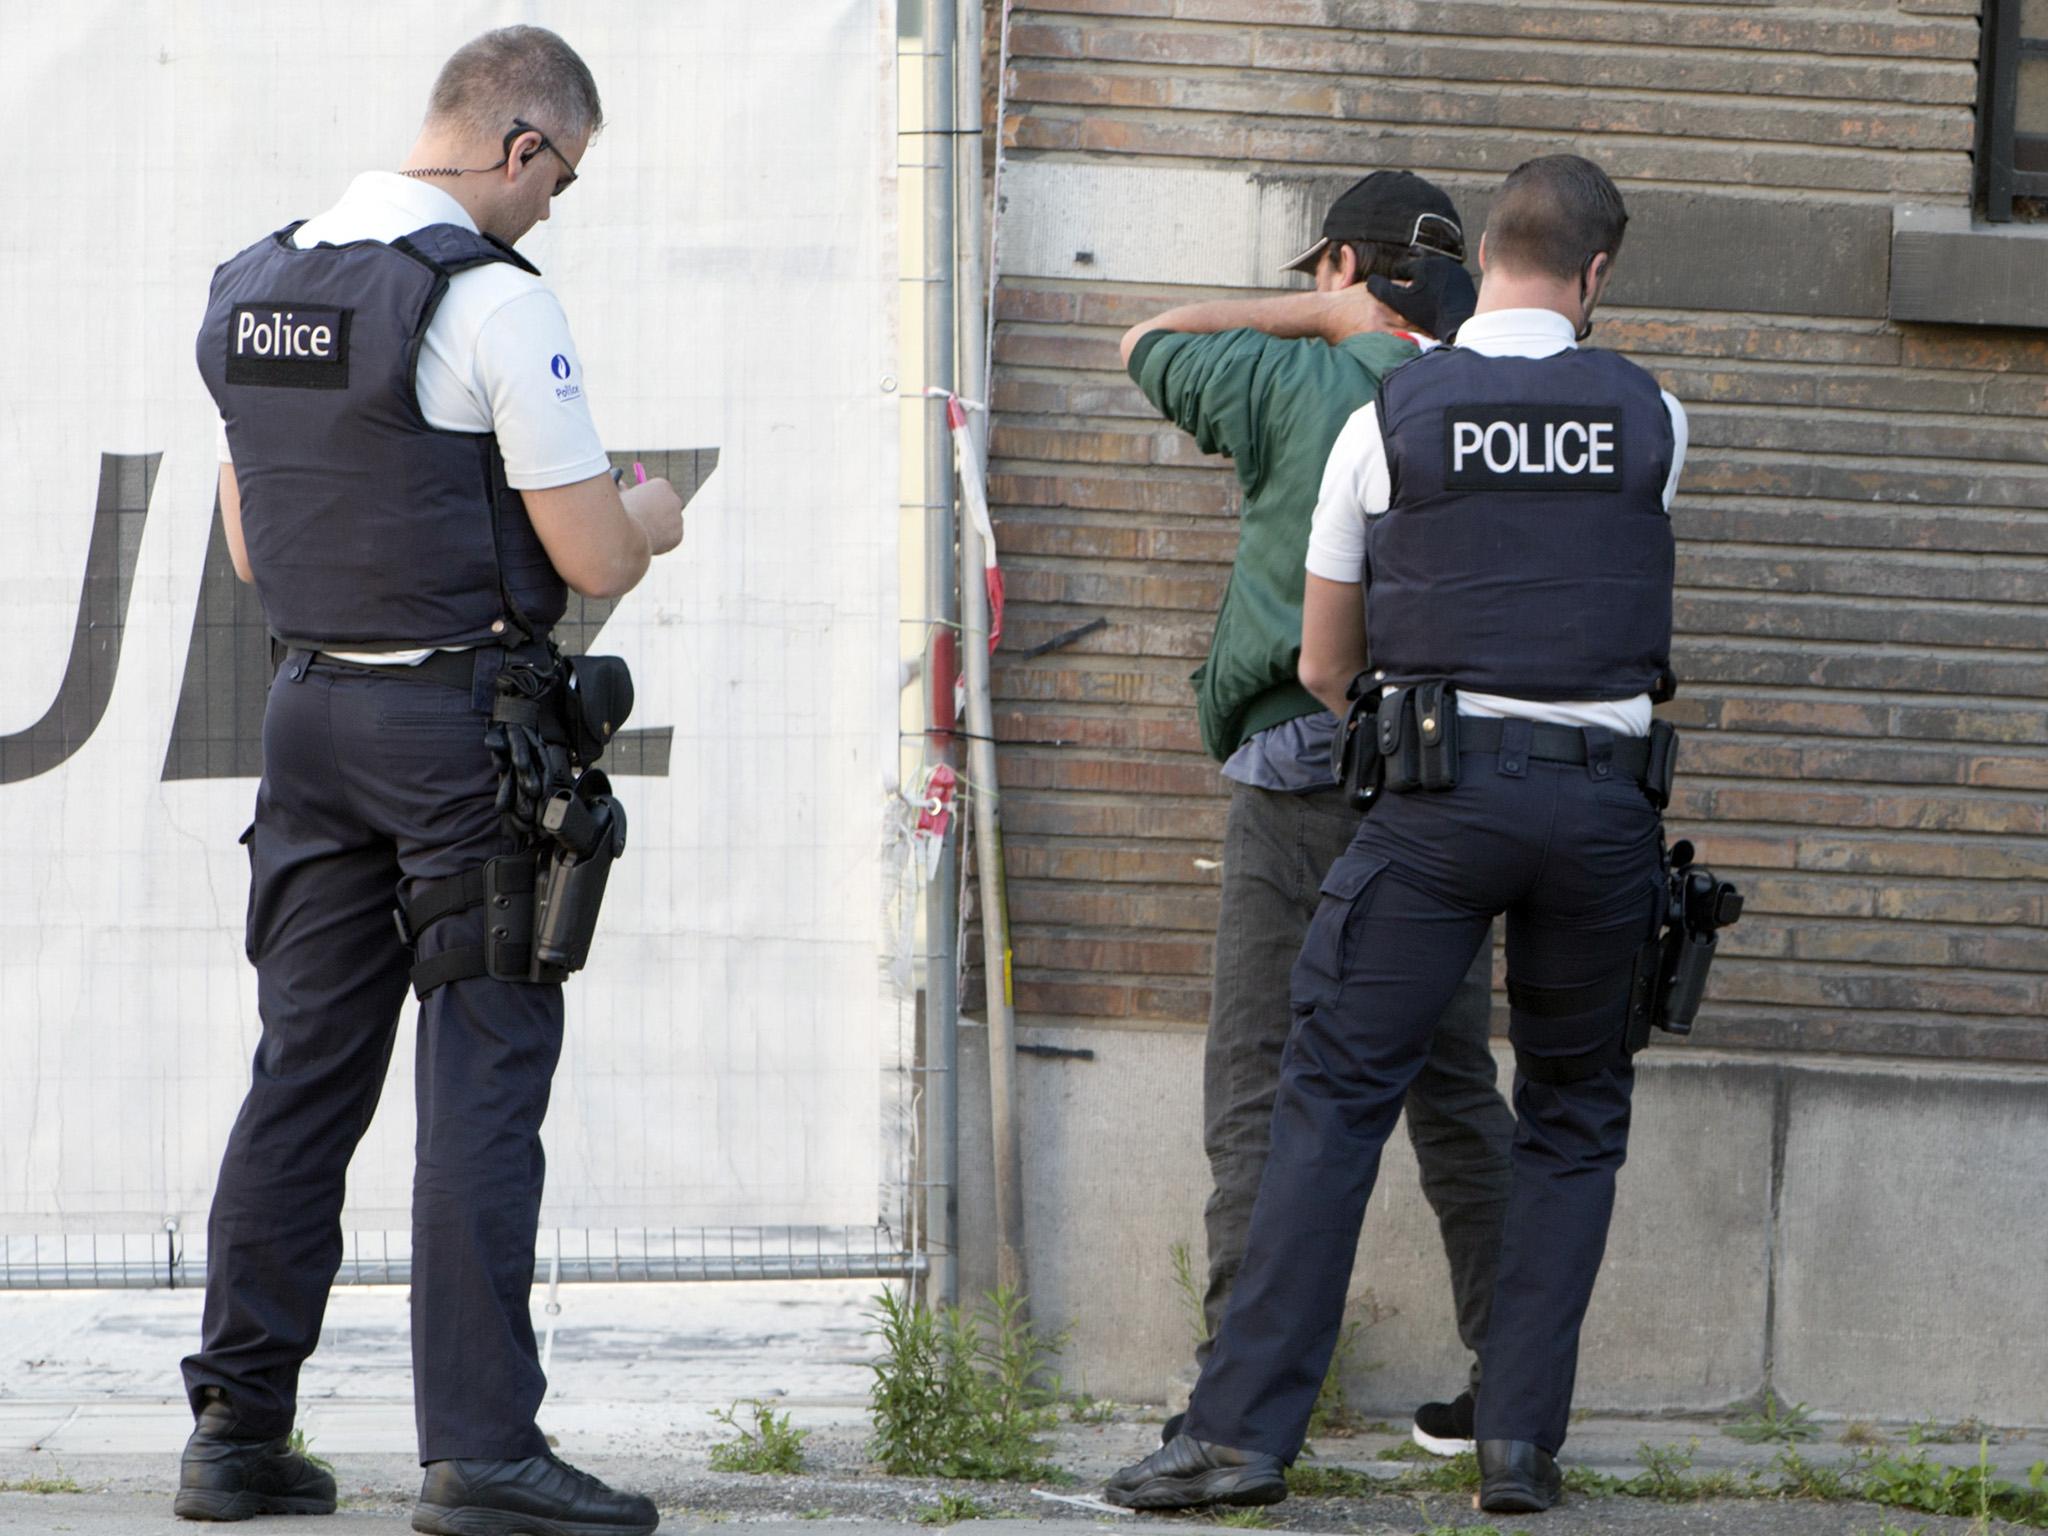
298, 1442
1332, 1482
770, 1446
1244, 1519
1799, 1478
1973, 1492
45, 1485
1191, 1293
1774, 1422
952, 1508
1333, 1413
1963, 1432
1862, 1432
960, 1394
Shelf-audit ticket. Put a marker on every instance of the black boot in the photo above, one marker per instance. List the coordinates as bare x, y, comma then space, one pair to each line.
1445, 1429
541, 1493
228, 1474
1190, 1472
1517, 1478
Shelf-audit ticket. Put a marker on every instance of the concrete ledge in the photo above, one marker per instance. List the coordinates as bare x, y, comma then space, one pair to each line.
1867, 1238
1949, 270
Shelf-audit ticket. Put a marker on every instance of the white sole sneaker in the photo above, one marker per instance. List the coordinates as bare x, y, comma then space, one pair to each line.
1437, 1447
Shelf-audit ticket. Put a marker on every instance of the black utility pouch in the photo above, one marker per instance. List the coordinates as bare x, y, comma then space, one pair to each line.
1400, 752
600, 699
1417, 732
1663, 765
1435, 705
1359, 767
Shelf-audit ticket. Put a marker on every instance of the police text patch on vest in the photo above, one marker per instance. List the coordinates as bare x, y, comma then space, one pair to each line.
290, 346
1532, 448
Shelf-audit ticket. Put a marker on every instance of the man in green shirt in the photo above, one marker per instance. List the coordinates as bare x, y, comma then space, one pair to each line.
1270, 382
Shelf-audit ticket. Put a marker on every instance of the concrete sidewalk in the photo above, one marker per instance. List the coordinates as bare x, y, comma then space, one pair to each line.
90, 1400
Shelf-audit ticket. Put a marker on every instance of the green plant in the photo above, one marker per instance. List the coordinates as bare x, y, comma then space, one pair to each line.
1862, 1432
1464, 1530
961, 1394
1962, 1432
770, 1446
1333, 1413
952, 1508
1191, 1293
298, 1442
1331, 1482
1775, 1422
58, 1484
1244, 1519
1972, 1492
1083, 1407
1799, 1478
814, 1514
1449, 1474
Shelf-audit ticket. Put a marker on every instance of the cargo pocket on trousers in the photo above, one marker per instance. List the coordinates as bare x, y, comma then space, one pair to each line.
1319, 972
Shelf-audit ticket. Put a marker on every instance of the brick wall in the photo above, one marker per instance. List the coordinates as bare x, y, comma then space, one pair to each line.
1863, 595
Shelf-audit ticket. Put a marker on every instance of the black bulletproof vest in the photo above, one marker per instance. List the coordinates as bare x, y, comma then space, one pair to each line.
367, 529
1526, 550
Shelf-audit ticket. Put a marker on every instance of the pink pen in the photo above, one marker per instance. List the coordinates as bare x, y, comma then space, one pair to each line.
639, 473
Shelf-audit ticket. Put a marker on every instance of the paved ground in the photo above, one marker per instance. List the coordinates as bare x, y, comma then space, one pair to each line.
89, 1399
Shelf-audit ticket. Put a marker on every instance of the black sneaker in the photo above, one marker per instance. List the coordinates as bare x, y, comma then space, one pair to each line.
1189, 1473
1445, 1429
228, 1474
1170, 1430
1517, 1478
541, 1494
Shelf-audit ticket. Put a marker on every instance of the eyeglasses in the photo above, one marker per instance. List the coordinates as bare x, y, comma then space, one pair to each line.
521, 125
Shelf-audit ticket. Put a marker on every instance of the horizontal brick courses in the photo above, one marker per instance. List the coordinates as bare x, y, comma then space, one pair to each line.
1863, 525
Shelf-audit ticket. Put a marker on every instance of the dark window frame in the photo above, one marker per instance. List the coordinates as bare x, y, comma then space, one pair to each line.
2000, 148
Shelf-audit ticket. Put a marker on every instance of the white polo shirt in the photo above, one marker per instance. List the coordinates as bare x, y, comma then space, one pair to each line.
1357, 487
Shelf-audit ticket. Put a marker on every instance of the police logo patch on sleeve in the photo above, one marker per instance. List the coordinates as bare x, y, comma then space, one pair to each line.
289, 346
1532, 448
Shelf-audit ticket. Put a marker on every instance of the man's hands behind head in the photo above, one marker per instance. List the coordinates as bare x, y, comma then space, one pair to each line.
1438, 299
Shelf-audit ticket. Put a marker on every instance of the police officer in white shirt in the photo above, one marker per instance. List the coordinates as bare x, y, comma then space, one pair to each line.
411, 479
1496, 526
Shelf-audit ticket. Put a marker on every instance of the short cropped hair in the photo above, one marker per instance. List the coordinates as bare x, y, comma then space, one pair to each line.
523, 72
1376, 258
1553, 215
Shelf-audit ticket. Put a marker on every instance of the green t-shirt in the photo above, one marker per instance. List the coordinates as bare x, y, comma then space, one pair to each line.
1275, 407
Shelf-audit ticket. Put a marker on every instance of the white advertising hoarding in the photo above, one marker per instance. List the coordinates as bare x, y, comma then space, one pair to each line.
727, 263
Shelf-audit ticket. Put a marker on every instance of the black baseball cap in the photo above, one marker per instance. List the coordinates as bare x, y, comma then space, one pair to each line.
1394, 208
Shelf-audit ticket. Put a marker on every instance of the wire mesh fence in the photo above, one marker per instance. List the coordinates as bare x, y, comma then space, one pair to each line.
170, 1259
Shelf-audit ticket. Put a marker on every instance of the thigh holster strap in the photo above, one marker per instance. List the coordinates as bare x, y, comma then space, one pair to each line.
1570, 1002
504, 889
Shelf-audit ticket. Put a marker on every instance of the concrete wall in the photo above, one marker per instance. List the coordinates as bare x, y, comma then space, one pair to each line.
1864, 1238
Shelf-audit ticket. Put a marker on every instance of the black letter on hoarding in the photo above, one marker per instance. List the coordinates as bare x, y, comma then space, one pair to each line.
126, 480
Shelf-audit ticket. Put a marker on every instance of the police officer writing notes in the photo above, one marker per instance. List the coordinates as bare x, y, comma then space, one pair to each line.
413, 483
1493, 532
1270, 382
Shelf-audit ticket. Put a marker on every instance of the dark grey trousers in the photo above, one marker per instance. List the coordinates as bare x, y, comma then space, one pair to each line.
1276, 850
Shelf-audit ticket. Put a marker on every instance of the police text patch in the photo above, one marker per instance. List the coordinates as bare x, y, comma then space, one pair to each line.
292, 346
1532, 448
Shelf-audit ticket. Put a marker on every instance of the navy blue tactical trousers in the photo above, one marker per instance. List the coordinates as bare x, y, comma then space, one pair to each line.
368, 779
1571, 856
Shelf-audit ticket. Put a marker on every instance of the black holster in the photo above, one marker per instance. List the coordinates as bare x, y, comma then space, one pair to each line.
550, 721
1357, 764
1670, 976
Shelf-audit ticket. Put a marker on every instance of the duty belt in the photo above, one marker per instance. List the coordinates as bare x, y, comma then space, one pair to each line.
1547, 743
